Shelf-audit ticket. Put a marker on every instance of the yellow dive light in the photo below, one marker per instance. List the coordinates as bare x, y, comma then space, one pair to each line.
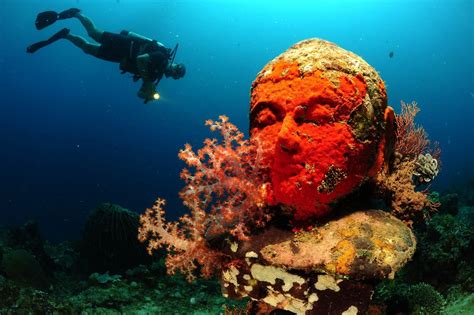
156, 96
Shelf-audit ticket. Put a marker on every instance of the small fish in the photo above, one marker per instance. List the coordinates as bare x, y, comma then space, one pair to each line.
391, 54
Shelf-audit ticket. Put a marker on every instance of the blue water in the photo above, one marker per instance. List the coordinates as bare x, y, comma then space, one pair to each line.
73, 133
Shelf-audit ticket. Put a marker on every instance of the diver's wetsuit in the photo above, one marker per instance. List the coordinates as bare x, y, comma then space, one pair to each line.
124, 49
145, 58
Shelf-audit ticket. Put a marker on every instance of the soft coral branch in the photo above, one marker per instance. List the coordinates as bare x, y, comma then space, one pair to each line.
226, 182
183, 240
225, 191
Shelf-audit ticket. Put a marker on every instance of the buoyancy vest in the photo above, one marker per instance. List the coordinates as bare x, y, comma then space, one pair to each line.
138, 46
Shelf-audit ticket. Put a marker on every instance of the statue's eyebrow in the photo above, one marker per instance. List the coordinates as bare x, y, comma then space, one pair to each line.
274, 108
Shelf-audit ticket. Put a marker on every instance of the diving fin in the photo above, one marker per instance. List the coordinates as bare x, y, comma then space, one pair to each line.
67, 14
46, 18
34, 47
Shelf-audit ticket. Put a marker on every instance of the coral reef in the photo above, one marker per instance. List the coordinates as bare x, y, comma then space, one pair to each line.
28, 237
420, 298
399, 190
414, 162
443, 261
466, 193
262, 209
22, 267
306, 271
446, 252
274, 217
141, 289
460, 306
449, 204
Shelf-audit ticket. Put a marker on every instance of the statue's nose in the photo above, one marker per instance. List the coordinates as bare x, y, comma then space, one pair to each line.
288, 139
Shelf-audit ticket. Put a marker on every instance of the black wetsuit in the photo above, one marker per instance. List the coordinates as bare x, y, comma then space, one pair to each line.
125, 49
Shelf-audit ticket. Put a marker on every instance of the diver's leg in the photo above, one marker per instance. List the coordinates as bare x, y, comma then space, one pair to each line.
36, 46
88, 48
91, 29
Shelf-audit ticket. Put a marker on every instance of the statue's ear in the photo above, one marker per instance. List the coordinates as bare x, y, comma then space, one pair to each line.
386, 145
390, 136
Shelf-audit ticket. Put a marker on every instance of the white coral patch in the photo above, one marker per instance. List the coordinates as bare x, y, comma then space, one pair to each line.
271, 274
351, 311
313, 298
326, 282
251, 254
230, 275
286, 301
234, 246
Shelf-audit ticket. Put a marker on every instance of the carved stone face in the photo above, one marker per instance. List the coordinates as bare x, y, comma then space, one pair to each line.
317, 112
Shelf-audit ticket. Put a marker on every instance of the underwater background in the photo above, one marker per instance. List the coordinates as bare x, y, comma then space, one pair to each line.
74, 135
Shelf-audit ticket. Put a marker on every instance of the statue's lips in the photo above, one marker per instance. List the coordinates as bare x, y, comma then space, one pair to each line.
285, 149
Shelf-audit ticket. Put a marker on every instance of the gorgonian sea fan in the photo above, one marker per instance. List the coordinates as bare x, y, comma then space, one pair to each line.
225, 191
412, 139
399, 184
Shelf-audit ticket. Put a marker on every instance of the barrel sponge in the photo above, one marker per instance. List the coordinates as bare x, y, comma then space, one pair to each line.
110, 240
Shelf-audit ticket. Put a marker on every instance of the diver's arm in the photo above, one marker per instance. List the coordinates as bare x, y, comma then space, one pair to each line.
142, 65
147, 90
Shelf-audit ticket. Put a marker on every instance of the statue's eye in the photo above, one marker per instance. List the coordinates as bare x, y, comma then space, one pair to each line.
264, 114
266, 117
300, 114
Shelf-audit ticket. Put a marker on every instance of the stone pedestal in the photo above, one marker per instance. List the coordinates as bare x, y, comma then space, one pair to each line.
328, 270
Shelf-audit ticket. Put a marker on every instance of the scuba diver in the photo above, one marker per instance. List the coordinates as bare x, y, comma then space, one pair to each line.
145, 58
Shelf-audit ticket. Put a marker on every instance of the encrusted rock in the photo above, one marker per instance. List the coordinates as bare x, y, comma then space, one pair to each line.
295, 291
363, 245
306, 271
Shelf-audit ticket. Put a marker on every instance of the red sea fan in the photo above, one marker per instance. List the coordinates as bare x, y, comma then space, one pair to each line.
399, 185
412, 140
225, 192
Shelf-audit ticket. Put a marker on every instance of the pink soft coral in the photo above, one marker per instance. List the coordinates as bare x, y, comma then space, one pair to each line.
225, 191
184, 240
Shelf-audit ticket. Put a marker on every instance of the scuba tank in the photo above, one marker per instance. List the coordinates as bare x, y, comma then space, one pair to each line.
142, 45
135, 35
